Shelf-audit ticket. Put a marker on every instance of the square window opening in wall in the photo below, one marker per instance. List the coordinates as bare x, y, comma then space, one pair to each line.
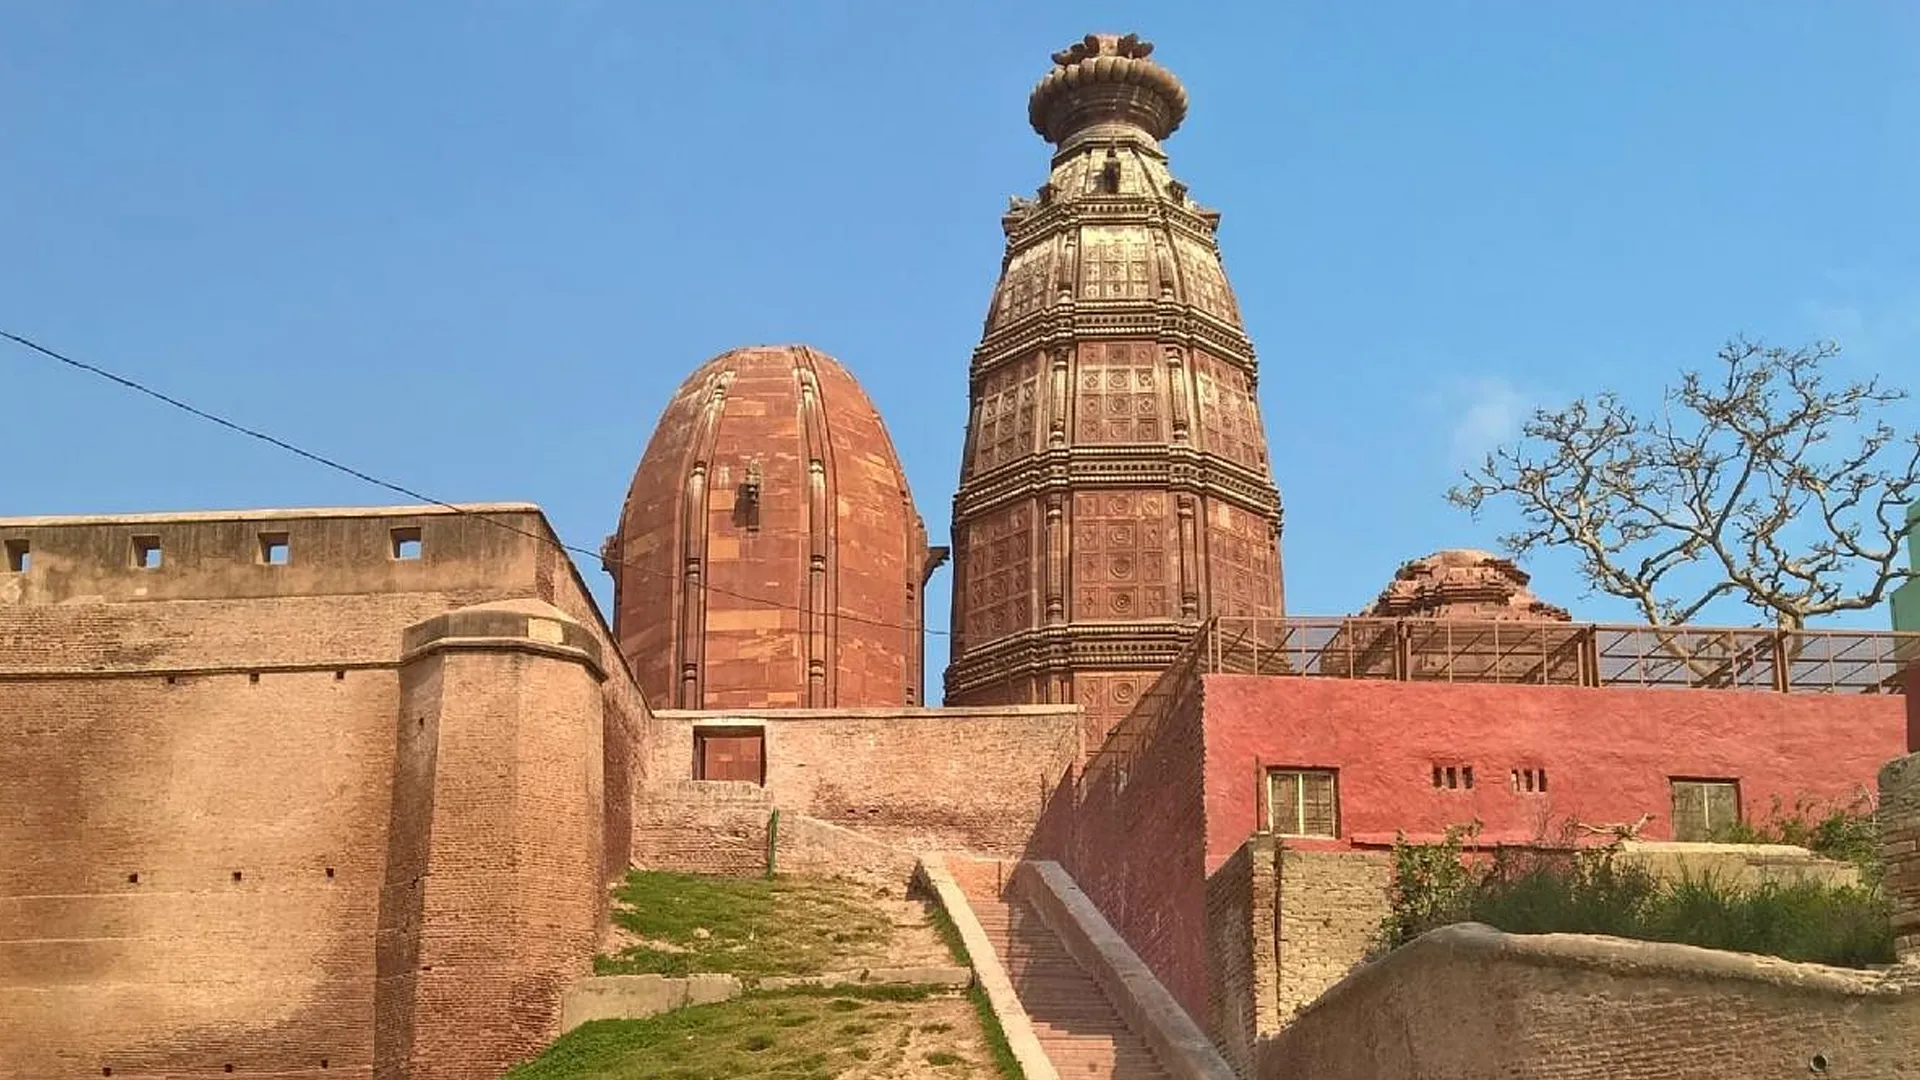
1303, 802
730, 753
19, 556
1704, 808
146, 552
406, 543
275, 549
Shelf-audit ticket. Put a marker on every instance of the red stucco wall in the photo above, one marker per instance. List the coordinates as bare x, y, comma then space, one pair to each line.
1608, 753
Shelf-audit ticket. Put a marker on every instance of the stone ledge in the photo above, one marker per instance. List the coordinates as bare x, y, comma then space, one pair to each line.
635, 997
631, 997
310, 513
948, 978
1596, 952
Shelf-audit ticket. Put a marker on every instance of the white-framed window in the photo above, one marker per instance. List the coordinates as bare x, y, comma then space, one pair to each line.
1303, 802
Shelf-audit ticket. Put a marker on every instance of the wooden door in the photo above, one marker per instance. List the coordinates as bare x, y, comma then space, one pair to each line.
730, 754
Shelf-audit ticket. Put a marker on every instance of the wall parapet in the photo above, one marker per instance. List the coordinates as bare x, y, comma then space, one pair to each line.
1471, 1000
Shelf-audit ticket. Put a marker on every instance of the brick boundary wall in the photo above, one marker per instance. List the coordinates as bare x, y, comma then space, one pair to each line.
1467, 1000
961, 779
1138, 849
1234, 907
1900, 849
1329, 908
703, 827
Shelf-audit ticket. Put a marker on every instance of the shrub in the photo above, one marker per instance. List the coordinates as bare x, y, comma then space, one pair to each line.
1593, 891
1848, 833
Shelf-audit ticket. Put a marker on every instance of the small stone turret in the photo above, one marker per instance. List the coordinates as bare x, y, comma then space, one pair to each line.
1461, 583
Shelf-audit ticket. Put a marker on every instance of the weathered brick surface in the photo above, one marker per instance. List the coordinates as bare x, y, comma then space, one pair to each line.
1138, 848
1900, 847
1470, 1002
1329, 908
219, 715
816, 606
510, 898
1234, 948
918, 779
703, 827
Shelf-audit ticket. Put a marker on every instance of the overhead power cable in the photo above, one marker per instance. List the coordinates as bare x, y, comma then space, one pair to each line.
401, 489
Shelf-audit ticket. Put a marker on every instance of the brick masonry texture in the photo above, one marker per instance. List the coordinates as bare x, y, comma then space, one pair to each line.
1468, 1001
1327, 910
806, 596
169, 729
1609, 753
1137, 848
962, 779
1233, 950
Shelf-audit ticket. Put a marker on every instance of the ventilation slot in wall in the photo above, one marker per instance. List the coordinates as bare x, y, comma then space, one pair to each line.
19, 556
406, 543
146, 552
1530, 781
275, 549
1453, 777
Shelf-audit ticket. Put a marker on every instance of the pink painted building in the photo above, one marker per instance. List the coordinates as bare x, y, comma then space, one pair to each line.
1339, 735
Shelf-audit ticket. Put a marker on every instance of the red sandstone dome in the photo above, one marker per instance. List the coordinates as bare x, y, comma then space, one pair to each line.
769, 554
1461, 583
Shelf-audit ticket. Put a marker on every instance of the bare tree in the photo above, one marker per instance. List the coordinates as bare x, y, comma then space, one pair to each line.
1787, 494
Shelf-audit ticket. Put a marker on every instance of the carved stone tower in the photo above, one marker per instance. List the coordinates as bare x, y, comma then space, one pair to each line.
1115, 489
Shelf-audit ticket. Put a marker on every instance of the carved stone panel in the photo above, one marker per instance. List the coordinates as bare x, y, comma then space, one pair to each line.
1107, 697
1116, 263
1206, 284
1008, 415
1242, 561
1023, 288
1000, 582
1119, 395
1123, 544
1229, 414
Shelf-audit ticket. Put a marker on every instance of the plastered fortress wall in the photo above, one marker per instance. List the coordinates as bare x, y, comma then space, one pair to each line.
208, 819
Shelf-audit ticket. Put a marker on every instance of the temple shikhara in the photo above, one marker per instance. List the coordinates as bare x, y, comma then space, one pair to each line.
342, 791
1115, 487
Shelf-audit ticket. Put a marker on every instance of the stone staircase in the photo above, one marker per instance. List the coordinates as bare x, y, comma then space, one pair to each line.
1078, 1028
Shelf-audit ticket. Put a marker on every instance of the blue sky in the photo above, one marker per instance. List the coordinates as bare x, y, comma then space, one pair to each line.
473, 246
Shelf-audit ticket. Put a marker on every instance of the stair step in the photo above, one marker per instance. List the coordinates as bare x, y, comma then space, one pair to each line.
1078, 1027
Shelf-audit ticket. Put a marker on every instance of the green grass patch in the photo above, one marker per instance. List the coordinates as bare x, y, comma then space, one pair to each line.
804, 1035
1593, 891
750, 927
